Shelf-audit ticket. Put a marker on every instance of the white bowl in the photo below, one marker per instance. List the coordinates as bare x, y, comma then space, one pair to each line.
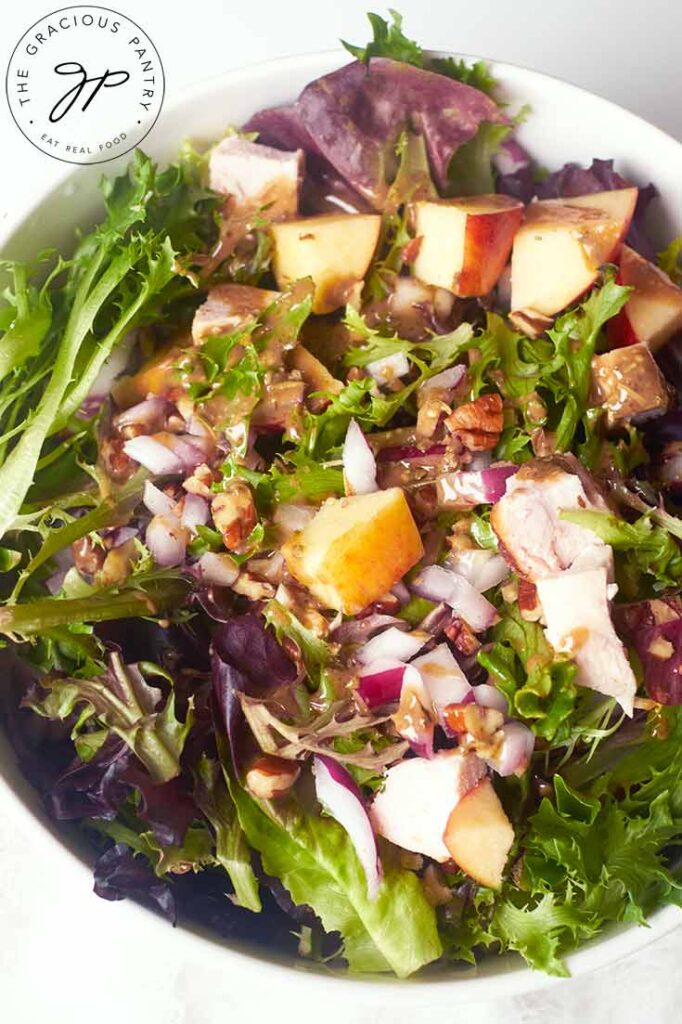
566, 123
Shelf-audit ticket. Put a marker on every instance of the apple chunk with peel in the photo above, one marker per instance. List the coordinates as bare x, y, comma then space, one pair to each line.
355, 549
464, 244
653, 313
334, 250
560, 247
415, 805
479, 835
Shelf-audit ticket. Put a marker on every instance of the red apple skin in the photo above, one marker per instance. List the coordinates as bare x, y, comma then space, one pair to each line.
653, 291
489, 238
619, 329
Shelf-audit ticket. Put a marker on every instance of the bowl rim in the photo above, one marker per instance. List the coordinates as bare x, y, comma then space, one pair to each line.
460, 987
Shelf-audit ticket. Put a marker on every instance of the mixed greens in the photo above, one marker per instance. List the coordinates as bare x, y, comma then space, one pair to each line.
340, 560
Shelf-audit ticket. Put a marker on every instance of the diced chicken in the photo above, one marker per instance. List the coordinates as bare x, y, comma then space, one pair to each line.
578, 623
227, 307
413, 808
533, 537
257, 177
627, 383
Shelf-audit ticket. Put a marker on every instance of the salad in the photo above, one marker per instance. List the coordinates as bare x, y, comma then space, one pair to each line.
340, 559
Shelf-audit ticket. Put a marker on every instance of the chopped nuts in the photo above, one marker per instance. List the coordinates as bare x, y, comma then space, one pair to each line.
88, 557
234, 514
436, 891
478, 424
118, 564
529, 605
530, 322
462, 636
255, 589
200, 481
429, 415
270, 777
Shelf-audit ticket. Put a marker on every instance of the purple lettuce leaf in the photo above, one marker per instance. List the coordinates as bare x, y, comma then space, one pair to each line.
167, 808
120, 874
654, 630
94, 788
353, 118
574, 180
245, 658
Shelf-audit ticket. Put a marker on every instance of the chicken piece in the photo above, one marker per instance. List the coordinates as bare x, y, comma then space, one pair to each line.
578, 623
419, 795
257, 178
533, 537
227, 307
627, 383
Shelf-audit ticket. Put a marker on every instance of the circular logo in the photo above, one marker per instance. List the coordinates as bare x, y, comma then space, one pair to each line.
85, 84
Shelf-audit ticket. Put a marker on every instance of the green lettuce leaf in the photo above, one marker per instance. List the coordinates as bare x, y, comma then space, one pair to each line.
642, 548
538, 685
390, 41
122, 700
316, 862
231, 851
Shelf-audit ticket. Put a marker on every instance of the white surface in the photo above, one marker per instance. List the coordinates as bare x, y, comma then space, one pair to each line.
67, 955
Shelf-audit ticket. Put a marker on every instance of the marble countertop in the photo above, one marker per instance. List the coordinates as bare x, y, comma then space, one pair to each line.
66, 956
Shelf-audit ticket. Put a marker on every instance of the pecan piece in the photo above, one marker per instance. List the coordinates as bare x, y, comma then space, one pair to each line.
270, 776
478, 424
234, 514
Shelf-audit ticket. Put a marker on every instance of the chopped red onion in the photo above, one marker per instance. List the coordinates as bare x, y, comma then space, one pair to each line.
217, 569
515, 750
489, 696
189, 448
341, 797
389, 368
121, 534
357, 631
483, 568
167, 540
381, 682
150, 414
400, 591
153, 455
443, 680
474, 487
359, 466
194, 512
155, 501
392, 643
292, 518
198, 427
436, 583
55, 581
446, 380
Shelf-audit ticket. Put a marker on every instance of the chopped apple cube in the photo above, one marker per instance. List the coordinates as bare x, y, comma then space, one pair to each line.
618, 204
355, 549
464, 244
161, 375
653, 313
479, 835
335, 250
559, 249
417, 801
